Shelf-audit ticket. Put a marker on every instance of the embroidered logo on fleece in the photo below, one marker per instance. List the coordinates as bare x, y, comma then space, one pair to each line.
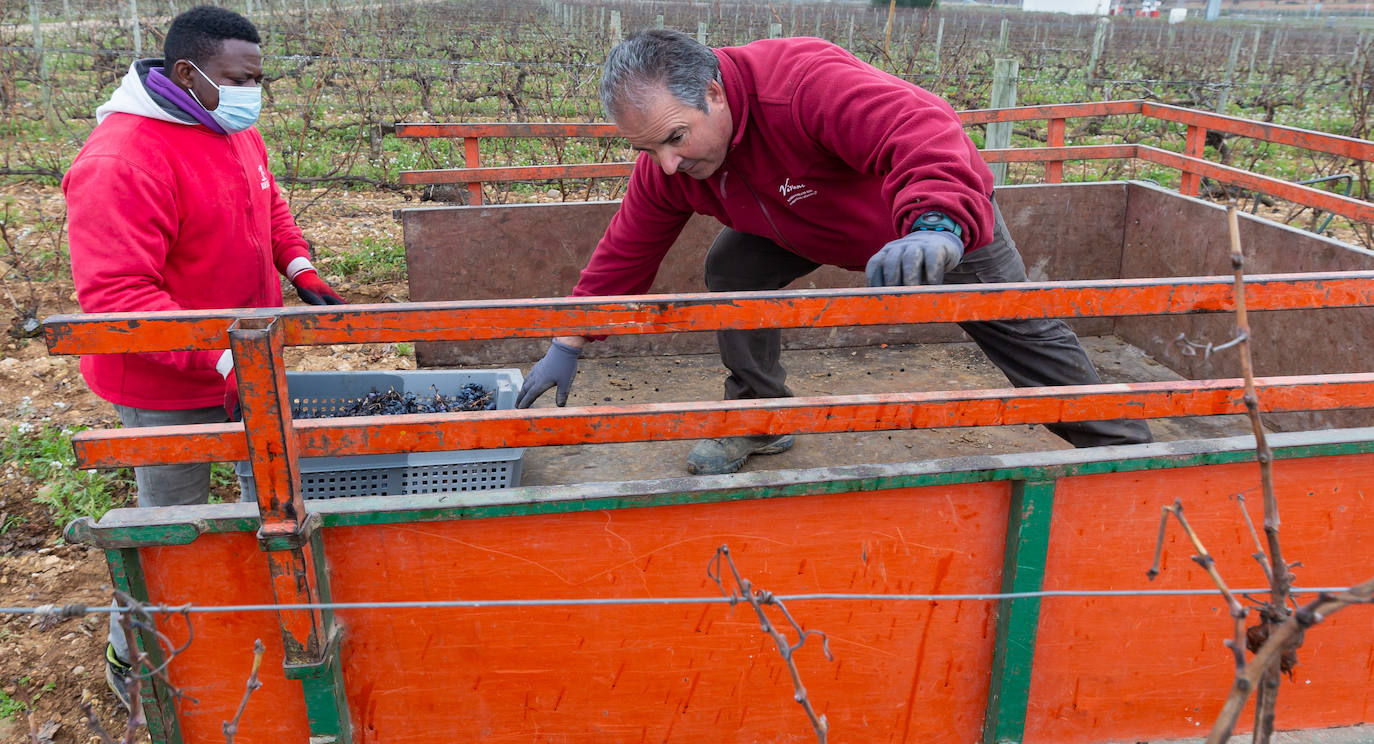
262, 172
795, 192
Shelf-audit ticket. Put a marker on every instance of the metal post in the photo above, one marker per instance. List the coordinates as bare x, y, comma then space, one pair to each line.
849, 40
295, 555
701, 33
658, 21
1003, 96
775, 30
1254, 52
615, 27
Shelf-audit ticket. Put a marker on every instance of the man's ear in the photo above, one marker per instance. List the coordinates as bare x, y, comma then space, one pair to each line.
715, 93
181, 72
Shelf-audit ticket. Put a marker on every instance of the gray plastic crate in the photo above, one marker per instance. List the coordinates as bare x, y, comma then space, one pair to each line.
399, 474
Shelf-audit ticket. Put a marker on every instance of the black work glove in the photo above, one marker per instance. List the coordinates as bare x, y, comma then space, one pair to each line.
557, 367
314, 291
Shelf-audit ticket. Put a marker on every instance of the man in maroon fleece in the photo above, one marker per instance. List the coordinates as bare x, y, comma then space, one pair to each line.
171, 206
808, 156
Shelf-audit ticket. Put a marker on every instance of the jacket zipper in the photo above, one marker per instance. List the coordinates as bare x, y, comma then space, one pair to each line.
776, 232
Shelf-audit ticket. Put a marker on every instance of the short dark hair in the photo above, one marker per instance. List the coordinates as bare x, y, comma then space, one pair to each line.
199, 33
664, 57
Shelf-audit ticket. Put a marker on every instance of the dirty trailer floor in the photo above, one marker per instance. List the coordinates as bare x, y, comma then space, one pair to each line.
843, 371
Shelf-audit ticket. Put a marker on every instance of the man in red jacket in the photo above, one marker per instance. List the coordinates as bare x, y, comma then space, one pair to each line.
808, 156
170, 206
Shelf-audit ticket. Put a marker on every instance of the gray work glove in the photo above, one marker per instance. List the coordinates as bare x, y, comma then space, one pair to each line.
556, 368
918, 258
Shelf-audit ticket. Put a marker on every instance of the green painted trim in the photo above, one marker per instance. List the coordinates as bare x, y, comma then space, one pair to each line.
1023, 570
322, 683
326, 705
159, 706
536, 500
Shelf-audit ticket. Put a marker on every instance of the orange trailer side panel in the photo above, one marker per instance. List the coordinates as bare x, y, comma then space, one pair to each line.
225, 569
676, 673
903, 671
1138, 668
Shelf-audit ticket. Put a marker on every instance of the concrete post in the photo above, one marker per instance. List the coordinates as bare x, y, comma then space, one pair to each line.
1004, 75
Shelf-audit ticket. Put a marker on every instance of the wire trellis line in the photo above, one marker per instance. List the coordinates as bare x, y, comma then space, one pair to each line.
74, 610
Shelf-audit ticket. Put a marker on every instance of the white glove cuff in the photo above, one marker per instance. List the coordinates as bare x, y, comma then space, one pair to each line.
225, 365
296, 266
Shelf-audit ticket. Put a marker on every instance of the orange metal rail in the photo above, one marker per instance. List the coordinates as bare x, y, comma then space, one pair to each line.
1190, 163
365, 435
274, 441
111, 333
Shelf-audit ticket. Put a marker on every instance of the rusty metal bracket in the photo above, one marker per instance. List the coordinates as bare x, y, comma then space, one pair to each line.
319, 667
273, 541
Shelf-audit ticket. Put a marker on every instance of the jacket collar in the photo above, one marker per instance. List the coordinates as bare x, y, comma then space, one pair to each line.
732, 79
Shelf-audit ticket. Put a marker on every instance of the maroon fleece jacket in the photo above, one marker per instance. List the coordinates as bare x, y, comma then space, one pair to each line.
831, 158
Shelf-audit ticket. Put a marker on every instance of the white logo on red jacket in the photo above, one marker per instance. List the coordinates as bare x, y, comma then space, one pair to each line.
795, 192
263, 172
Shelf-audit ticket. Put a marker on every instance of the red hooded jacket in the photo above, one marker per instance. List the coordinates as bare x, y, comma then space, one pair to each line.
831, 158
165, 214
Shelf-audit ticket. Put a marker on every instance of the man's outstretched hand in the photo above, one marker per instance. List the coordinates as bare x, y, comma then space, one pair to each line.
920, 258
557, 367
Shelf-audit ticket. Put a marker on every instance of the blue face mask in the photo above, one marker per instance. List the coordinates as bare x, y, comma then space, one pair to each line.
239, 105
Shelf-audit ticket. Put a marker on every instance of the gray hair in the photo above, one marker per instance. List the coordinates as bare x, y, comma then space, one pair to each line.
657, 57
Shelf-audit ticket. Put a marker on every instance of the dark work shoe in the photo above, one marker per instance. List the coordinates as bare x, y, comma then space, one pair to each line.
117, 673
727, 454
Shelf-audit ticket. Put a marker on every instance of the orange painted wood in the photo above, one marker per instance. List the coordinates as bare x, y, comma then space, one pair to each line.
1198, 122
261, 374
699, 420
913, 671
1155, 668
1051, 111
537, 318
1308, 139
225, 569
1342, 205
1194, 142
1054, 169
477, 176
1042, 154
507, 129
472, 158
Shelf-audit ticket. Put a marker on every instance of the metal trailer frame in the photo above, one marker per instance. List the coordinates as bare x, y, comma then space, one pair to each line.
310, 555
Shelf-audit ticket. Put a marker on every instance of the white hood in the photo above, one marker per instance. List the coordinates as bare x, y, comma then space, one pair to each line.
132, 97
